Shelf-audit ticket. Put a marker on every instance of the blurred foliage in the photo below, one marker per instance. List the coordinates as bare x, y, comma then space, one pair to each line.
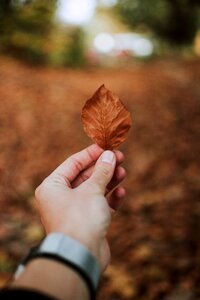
28, 31
175, 21
74, 51
25, 27
67, 46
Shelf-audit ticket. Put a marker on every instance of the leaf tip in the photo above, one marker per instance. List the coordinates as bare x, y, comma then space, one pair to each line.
102, 87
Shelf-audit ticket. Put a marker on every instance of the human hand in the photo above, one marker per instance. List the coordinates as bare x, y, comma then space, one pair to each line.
78, 198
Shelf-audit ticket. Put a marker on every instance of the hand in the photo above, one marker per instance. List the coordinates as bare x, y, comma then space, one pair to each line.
78, 198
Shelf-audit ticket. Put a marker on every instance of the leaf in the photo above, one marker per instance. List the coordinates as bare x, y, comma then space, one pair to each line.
105, 119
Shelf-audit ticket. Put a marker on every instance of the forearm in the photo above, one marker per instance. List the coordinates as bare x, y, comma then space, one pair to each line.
54, 279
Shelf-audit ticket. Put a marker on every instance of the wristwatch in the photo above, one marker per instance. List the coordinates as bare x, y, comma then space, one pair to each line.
70, 252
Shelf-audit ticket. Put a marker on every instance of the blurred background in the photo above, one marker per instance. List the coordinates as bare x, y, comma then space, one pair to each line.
53, 56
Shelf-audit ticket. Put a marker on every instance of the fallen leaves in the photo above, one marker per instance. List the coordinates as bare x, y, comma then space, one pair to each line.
105, 119
120, 282
162, 210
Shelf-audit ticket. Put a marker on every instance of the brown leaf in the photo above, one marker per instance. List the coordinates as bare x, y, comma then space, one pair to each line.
105, 119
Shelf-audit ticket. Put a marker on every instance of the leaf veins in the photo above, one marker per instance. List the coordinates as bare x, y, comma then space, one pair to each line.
105, 119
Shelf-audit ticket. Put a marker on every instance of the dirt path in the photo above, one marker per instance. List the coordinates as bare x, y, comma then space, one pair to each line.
155, 237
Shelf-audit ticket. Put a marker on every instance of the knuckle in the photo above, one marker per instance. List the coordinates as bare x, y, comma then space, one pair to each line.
40, 190
84, 176
77, 163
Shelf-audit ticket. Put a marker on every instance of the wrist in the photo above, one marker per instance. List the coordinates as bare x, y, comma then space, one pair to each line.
68, 252
53, 279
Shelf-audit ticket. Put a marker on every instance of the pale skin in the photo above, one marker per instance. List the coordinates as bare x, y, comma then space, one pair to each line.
77, 199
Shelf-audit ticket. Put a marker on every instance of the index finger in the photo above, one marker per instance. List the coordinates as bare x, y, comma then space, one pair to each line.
76, 163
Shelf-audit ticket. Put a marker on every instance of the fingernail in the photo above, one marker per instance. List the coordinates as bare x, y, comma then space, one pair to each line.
107, 157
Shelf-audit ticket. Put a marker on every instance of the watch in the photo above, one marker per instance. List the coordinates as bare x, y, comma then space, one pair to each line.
70, 252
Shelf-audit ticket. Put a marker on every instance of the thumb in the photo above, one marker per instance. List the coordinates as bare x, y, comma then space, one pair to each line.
104, 169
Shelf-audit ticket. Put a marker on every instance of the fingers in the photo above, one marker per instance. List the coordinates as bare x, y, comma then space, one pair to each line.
76, 163
119, 156
85, 174
103, 172
117, 178
115, 199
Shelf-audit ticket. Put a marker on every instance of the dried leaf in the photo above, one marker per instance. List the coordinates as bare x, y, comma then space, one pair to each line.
105, 119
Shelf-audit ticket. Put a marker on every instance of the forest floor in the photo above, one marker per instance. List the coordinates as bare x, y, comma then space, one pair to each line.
154, 237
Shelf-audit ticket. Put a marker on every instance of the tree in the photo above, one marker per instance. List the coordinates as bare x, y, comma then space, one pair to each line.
25, 26
173, 20
74, 54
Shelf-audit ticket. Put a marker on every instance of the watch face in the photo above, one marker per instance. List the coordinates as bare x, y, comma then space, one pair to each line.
70, 252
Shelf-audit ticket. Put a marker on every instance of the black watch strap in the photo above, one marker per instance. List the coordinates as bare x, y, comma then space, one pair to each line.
70, 252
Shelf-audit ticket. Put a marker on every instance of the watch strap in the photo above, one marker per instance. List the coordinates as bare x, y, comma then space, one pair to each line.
70, 252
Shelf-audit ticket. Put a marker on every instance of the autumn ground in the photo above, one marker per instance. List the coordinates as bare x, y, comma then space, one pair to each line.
155, 236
